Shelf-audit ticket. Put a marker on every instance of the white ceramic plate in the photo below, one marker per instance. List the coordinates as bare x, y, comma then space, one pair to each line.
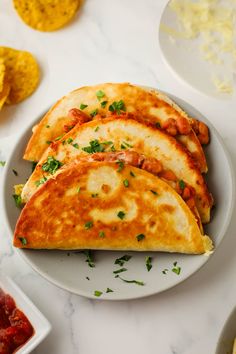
185, 61
69, 269
228, 334
40, 324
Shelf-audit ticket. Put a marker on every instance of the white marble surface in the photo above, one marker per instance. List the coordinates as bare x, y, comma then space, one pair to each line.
117, 40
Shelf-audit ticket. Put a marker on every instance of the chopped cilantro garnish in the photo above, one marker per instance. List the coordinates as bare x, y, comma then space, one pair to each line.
34, 164
100, 94
83, 106
122, 146
48, 142
69, 140
94, 195
101, 234
122, 260
140, 237
176, 269
47, 126
117, 107
154, 192
89, 258
23, 240
126, 144
15, 172
103, 104
41, 181
95, 146
121, 215
78, 189
51, 165
158, 124
18, 200
120, 270
165, 271
75, 145
94, 112
59, 137
113, 148
97, 293
148, 260
2, 163
181, 184
88, 225
132, 174
131, 281
126, 183
96, 129
109, 290
121, 165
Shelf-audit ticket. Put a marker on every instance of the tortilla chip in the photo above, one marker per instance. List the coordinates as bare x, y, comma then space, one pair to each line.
4, 93
46, 15
22, 73
2, 73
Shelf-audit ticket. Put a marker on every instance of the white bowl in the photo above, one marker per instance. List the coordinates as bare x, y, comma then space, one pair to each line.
40, 324
228, 334
183, 59
71, 272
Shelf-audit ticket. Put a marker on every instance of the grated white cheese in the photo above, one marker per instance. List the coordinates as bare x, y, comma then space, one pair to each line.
224, 86
214, 22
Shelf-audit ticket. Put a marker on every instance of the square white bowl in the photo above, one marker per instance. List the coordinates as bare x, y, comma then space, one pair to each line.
40, 324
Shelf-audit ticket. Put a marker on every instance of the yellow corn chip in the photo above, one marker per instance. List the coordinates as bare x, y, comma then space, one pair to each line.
2, 73
46, 15
4, 93
22, 73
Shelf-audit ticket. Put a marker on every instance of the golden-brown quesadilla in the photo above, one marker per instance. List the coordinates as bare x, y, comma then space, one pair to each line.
100, 100
116, 134
109, 206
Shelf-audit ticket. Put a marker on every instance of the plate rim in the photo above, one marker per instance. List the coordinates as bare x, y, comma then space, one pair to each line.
85, 294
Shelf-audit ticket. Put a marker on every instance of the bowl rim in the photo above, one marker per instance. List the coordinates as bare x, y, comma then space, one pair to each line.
71, 289
226, 322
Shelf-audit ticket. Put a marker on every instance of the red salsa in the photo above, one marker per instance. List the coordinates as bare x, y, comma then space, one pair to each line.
15, 328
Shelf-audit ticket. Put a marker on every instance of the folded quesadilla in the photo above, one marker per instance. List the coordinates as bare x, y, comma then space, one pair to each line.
109, 206
117, 134
99, 101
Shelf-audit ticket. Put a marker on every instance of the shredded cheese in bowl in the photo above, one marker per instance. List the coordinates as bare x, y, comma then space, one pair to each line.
223, 86
214, 22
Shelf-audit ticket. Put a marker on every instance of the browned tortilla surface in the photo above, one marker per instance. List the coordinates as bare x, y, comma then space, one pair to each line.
98, 205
